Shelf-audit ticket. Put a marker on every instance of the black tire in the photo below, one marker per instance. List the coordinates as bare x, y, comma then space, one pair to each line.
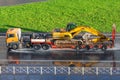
96, 47
14, 46
77, 48
45, 46
36, 46
104, 47
87, 47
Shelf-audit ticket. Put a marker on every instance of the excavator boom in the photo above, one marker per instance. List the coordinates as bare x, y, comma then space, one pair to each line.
92, 31
79, 29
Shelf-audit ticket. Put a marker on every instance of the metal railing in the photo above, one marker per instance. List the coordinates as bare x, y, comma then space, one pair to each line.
49, 67
59, 70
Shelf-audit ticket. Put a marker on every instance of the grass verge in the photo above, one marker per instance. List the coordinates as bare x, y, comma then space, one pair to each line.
45, 16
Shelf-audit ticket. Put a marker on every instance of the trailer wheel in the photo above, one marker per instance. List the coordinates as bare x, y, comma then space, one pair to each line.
45, 46
96, 47
77, 48
14, 46
87, 47
36, 46
104, 47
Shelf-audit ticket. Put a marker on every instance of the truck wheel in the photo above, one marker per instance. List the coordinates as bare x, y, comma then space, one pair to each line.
104, 47
14, 46
96, 47
36, 46
45, 46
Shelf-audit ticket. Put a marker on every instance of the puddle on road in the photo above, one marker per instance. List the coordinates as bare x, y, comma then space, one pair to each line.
53, 55
49, 58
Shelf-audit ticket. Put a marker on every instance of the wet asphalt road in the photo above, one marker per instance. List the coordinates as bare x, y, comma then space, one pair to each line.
14, 2
110, 55
60, 54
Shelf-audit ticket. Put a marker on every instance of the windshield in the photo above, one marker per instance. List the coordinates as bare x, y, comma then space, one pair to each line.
10, 35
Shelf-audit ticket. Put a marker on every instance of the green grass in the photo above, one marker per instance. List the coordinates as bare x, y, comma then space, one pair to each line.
45, 16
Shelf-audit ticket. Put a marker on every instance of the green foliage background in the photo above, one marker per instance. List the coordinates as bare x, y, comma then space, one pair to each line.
45, 16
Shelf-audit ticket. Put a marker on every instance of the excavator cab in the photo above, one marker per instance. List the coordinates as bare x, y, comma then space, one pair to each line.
70, 26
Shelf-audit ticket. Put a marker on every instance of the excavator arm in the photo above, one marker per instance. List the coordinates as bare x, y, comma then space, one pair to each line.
70, 34
78, 29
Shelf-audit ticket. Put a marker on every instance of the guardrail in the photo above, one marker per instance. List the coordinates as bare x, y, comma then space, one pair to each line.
59, 70
49, 67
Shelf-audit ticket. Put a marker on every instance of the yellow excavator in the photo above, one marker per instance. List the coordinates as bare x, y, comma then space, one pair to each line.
90, 36
72, 30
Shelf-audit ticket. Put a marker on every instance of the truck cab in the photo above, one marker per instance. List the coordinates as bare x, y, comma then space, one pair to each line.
13, 36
